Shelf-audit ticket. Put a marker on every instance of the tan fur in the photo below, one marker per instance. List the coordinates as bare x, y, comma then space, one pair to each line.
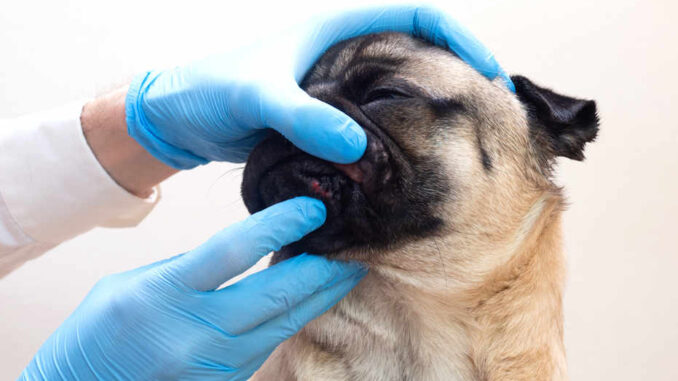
481, 300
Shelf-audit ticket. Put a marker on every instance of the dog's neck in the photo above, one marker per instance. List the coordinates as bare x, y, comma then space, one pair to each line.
445, 320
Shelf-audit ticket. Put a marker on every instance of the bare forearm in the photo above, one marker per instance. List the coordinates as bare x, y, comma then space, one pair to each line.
127, 162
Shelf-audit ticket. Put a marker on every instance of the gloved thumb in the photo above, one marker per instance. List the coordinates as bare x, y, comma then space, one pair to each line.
239, 246
313, 125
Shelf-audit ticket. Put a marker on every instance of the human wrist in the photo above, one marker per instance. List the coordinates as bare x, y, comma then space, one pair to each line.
124, 159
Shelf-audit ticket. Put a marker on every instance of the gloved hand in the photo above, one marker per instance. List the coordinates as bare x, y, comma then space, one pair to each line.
166, 321
216, 109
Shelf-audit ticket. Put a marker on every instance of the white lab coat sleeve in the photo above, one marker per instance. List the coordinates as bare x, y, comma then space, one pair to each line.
52, 187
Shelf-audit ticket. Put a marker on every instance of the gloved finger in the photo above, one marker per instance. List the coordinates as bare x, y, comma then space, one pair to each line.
312, 125
441, 29
426, 22
150, 266
245, 371
265, 338
238, 150
217, 370
239, 246
269, 293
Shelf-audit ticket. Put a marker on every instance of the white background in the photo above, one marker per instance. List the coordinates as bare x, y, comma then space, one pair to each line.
621, 308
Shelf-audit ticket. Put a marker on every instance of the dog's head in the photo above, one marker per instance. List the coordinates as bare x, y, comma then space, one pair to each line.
449, 151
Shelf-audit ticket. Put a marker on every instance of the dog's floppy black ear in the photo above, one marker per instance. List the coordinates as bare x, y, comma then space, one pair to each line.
563, 123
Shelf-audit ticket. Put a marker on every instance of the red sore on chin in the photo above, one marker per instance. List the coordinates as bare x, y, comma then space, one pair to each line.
319, 190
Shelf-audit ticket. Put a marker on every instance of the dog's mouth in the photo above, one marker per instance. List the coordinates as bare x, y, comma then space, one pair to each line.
355, 195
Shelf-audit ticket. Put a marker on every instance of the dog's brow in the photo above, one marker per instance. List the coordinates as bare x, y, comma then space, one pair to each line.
360, 78
385, 61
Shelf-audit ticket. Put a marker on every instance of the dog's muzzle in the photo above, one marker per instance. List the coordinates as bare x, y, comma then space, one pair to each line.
352, 193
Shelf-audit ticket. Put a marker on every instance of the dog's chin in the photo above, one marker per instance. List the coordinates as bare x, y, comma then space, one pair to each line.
277, 171
304, 175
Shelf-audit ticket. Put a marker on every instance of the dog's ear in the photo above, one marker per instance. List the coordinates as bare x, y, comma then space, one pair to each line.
562, 124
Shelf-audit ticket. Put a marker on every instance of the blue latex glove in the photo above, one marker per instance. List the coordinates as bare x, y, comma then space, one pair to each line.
217, 109
166, 321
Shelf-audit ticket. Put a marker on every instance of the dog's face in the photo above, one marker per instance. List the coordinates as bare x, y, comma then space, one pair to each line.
449, 151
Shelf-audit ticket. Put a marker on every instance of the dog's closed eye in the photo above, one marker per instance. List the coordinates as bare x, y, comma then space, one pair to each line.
384, 93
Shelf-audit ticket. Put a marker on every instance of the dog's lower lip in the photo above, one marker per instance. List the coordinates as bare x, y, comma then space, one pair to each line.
323, 182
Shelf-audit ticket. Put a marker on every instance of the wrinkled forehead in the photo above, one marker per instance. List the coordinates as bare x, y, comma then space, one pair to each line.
388, 50
393, 55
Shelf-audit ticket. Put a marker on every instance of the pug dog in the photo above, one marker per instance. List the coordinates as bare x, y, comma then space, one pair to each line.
452, 207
